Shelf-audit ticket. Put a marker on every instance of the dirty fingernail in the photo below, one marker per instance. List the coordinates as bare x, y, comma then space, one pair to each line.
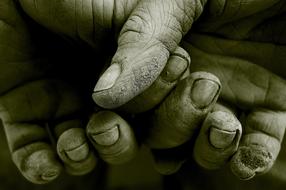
79, 153
108, 79
107, 138
221, 138
204, 92
174, 69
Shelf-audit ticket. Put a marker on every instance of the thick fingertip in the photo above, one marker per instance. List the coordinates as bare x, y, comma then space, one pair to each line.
251, 160
260, 145
132, 71
256, 155
218, 140
73, 149
112, 137
38, 163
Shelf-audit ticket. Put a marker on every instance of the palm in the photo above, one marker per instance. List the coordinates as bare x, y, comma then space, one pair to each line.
253, 31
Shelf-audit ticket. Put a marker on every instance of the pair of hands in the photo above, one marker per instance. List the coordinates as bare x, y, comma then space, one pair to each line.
42, 96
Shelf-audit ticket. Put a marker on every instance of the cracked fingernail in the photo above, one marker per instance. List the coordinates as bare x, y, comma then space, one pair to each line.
107, 138
204, 92
108, 79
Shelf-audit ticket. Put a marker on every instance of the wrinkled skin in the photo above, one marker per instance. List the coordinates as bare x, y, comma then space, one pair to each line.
229, 42
45, 90
225, 68
234, 40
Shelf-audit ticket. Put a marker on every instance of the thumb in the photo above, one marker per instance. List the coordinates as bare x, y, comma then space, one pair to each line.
153, 31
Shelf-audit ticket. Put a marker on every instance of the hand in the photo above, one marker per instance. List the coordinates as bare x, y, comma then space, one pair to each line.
236, 55
43, 104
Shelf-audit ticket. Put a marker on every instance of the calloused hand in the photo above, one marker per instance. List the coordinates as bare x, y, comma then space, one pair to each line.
243, 44
46, 84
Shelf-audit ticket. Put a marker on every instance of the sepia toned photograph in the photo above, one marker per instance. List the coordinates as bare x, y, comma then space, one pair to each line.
142, 94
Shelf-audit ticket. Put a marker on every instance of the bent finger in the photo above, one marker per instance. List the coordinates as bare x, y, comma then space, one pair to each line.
181, 114
260, 144
146, 40
112, 137
218, 139
32, 152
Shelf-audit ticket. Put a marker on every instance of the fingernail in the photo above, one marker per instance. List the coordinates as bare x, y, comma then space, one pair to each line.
79, 153
107, 138
221, 138
204, 92
174, 69
43, 165
50, 175
108, 79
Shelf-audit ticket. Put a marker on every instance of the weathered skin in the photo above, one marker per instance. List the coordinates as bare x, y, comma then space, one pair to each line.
237, 41
42, 102
231, 60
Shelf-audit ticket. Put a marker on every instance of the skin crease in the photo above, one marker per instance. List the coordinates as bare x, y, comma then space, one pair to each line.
47, 96
225, 32
217, 40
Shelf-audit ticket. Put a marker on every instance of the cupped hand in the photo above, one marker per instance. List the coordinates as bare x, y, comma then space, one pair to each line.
243, 45
45, 85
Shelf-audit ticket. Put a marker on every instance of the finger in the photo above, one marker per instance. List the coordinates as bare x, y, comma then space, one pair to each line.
73, 148
153, 31
169, 161
112, 137
241, 86
181, 114
32, 152
24, 111
218, 139
260, 144
29, 108
177, 65
68, 127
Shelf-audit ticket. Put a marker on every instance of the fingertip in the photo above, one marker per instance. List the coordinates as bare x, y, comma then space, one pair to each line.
182, 112
134, 70
260, 144
176, 66
112, 137
38, 163
108, 137
250, 161
74, 151
218, 140
205, 89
